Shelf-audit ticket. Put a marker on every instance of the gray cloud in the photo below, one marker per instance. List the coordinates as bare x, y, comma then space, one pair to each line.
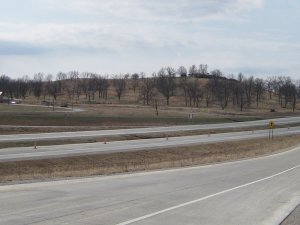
146, 34
157, 10
17, 48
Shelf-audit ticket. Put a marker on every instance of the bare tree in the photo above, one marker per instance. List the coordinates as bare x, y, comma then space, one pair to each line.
240, 91
183, 84
102, 86
147, 89
249, 87
4, 85
278, 84
203, 69
297, 94
194, 91
193, 71
23, 86
120, 85
13, 88
61, 81
85, 83
222, 90
182, 71
235, 89
155, 100
93, 85
89, 85
134, 81
270, 85
76, 83
51, 89
288, 92
208, 93
37, 85
47, 86
259, 89
216, 73
166, 82
73, 86
294, 97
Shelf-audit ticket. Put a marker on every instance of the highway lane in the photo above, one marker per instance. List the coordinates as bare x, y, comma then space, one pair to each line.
103, 133
249, 192
26, 153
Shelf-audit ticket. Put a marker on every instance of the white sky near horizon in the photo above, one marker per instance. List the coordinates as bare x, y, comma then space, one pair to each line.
255, 37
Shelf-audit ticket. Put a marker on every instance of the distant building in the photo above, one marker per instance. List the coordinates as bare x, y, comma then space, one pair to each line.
5, 99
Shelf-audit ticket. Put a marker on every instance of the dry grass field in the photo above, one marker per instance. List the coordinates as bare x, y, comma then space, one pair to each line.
119, 116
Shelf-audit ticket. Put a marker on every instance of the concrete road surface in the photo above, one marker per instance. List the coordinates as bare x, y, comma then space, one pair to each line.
257, 191
25, 153
101, 133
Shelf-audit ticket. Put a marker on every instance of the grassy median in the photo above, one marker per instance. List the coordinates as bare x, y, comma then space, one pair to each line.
105, 164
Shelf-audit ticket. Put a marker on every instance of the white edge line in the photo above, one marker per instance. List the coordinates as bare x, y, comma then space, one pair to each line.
204, 198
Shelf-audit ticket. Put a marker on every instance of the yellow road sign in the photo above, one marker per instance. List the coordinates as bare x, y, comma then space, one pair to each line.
271, 125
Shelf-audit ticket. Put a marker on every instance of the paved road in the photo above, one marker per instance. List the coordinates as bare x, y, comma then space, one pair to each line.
101, 133
257, 191
25, 153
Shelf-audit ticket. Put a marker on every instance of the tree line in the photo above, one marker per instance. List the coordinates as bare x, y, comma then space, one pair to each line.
193, 87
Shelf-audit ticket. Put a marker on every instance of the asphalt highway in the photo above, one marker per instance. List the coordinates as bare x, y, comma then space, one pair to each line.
26, 153
249, 192
102, 133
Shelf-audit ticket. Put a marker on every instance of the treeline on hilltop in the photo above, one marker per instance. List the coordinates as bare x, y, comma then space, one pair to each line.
194, 87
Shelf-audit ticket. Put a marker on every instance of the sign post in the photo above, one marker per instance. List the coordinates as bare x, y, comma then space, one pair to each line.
271, 129
191, 116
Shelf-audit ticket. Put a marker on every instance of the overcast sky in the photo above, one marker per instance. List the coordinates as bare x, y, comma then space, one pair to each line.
256, 37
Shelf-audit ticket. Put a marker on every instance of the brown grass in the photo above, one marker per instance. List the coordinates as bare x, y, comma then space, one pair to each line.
30, 130
141, 160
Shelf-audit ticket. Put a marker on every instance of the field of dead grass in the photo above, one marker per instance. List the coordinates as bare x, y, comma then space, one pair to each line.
106, 164
129, 115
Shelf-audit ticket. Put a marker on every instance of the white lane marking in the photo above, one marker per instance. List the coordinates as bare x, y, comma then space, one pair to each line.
204, 198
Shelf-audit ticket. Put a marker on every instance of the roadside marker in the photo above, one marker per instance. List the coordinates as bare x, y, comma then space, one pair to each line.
271, 129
